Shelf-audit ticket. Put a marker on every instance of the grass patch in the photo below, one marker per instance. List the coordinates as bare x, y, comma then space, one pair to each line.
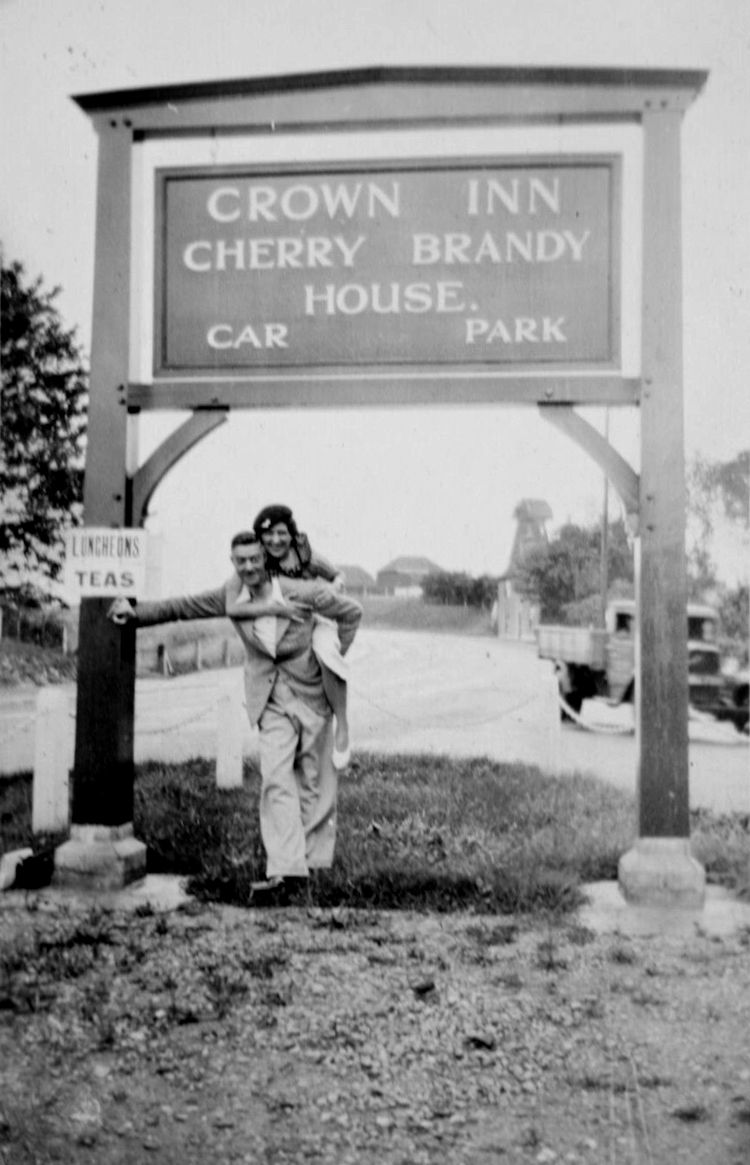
388, 612
420, 832
15, 819
414, 832
15, 812
28, 663
721, 843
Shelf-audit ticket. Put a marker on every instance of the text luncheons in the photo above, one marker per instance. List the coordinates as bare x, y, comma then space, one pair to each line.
114, 545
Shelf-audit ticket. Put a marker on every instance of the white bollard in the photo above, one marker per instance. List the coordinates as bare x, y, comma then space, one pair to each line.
229, 742
552, 723
50, 801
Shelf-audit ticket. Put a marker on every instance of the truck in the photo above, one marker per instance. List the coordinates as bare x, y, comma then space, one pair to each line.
593, 662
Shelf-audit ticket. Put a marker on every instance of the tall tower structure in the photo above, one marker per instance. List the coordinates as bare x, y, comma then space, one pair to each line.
517, 617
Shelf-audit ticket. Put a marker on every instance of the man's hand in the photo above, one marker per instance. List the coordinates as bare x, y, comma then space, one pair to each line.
121, 611
296, 610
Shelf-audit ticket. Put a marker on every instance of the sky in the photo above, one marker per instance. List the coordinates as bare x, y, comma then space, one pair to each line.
371, 484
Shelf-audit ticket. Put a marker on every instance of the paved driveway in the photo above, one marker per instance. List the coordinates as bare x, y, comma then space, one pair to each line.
415, 691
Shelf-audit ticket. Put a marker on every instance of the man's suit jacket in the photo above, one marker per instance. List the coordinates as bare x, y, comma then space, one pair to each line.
294, 658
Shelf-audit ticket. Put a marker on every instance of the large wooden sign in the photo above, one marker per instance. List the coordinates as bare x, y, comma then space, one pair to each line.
461, 264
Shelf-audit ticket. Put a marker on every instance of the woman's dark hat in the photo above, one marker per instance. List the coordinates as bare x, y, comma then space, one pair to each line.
270, 516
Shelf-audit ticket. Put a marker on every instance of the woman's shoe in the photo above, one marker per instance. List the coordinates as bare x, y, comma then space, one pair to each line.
341, 758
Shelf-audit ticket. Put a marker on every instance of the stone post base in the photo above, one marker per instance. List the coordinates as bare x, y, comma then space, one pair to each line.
661, 871
99, 857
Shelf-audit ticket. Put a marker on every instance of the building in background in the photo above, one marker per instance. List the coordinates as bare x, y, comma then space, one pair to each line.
516, 616
404, 576
357, 581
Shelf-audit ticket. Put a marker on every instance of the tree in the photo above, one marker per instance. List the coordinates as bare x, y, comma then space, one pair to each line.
717, 492
719, 500
43, 397
458, 589
567, 570
734, 614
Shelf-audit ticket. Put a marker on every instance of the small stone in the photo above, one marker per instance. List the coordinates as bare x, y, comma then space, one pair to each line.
223, 1122
480, 1040
88, 1112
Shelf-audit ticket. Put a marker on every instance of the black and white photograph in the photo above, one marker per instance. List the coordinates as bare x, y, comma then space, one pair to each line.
374, 567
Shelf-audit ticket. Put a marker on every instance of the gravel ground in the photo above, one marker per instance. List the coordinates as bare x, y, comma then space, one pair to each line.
238, 1036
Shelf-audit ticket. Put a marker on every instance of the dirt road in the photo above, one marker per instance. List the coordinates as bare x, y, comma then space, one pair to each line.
416, 691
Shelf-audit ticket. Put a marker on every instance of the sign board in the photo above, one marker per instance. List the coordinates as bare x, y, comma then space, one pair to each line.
103, 562
489, 262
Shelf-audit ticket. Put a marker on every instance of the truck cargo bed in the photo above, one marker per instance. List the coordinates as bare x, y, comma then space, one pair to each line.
581, 645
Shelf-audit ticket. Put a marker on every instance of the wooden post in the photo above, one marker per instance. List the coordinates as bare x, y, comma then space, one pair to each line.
552, 721
102, 851
50, 802
229, 720
659, 869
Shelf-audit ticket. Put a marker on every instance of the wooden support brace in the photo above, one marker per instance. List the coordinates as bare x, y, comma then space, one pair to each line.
145, 480
622, 475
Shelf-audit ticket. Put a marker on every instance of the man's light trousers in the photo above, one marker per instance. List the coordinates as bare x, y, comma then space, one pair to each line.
299, 786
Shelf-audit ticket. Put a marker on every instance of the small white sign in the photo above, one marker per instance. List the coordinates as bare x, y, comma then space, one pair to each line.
103, 562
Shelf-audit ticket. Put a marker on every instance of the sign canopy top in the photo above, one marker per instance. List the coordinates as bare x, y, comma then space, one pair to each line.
390, 95
383, 235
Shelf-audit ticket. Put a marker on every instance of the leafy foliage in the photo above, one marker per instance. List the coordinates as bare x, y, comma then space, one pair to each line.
43, 398
457, 589
567, 570
734, 606
724, 482
719, 491
714, 489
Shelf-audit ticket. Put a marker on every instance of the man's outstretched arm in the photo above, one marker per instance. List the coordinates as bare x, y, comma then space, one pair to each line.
207, 605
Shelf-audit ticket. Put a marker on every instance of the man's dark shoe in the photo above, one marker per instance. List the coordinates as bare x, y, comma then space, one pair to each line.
279, 892
272, 892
